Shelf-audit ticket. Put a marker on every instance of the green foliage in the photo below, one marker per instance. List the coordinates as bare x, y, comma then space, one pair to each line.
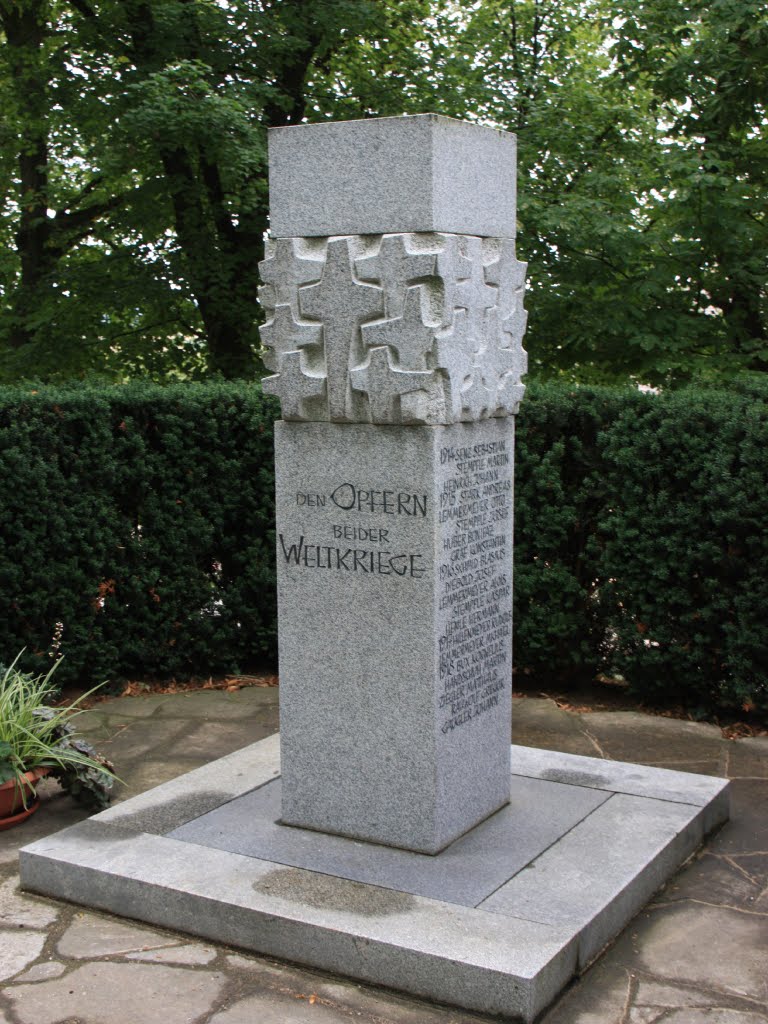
142, 536
140, 528
133, 193
85, 284
643, 158
35, 736
560, 495
641, 546
134, 198
705, 66
685, 548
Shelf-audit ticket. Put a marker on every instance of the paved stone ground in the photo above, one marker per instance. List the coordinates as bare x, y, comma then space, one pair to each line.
698, 954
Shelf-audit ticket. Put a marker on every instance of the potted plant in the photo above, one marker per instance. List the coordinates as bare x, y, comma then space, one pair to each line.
37, 740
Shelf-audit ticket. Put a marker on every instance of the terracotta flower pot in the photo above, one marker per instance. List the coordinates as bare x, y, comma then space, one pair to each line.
14, 795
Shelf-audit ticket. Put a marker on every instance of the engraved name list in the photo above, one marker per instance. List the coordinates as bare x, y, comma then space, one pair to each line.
475, 589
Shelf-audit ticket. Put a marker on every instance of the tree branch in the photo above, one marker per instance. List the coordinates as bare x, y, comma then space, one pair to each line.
83, 8
150, 327
599, 259
80, 221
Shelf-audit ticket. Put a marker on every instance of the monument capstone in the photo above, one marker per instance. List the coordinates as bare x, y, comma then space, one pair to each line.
394, 333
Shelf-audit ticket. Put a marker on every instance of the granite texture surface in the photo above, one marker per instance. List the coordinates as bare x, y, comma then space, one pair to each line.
510, 959
395, 328
625, 851
440, 951
622, 777
422, 172
394, 559
467, 872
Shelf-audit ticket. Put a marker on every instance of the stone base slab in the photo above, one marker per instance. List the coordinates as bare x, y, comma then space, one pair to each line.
497, 923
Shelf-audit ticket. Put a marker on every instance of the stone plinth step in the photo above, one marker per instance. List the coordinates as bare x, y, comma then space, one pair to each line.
498, 922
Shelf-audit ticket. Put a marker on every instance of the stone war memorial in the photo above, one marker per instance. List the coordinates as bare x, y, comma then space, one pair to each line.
391, 833
396, 343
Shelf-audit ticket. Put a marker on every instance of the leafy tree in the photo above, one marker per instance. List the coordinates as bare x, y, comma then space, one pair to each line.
88, 266
543, 71
138, 186
133, 168
707, 67
642, 151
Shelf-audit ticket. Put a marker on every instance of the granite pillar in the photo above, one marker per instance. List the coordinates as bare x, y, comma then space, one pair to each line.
394, 333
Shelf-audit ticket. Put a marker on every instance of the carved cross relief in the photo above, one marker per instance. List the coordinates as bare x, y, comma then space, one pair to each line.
399, 328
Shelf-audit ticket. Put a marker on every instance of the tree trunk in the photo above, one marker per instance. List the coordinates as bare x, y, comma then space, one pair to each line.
221, 256
25, 27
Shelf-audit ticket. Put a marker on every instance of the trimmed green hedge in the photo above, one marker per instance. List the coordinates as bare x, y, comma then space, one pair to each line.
560, 497
142, 519
685, 548
642, 541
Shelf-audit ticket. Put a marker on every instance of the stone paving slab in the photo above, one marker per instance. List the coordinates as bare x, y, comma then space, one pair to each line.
731, 944
504, 960
604, 870
623, 777
106, 992
616, 732
649, 974
166, 807
471, 868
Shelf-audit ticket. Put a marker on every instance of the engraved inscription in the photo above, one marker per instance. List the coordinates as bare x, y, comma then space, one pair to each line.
372, 534
475, 590
325, 551
349, 497
357, 560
